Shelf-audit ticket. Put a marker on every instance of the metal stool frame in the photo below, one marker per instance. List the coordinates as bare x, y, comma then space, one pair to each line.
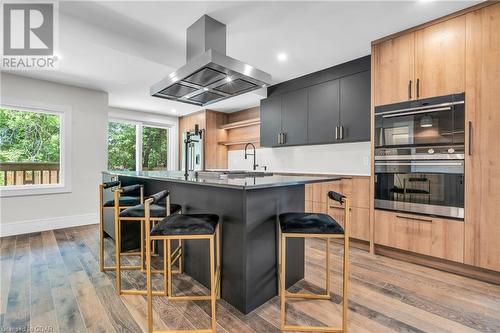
284, 294
214, 240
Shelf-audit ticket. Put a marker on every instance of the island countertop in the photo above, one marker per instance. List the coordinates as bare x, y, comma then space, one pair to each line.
245, 182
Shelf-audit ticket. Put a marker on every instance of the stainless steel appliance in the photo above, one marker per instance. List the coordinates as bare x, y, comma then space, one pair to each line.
419, 156
209, 75
192, 151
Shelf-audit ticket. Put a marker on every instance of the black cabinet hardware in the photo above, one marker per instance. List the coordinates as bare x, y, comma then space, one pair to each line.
418, 88
470, 138
409, 89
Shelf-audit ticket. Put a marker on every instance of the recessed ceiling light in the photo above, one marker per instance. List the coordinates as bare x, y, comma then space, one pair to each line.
173, 110
282, 56
263, 86
228, 79
175, 79
205, 89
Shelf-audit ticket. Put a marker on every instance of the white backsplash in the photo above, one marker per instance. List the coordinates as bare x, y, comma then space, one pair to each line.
342, 159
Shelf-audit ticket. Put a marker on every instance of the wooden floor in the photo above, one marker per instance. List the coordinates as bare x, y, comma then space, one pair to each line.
50, 282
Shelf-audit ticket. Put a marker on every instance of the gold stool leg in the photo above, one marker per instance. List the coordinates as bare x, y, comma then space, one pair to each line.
213, 285
282, 282
149, 287
118, 243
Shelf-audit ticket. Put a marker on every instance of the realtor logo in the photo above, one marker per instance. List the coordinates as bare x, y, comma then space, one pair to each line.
29, 35
28, 29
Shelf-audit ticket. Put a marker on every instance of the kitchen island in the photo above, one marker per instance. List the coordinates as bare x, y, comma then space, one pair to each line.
248, 205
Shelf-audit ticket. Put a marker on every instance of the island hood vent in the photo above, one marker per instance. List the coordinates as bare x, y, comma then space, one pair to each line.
209, 75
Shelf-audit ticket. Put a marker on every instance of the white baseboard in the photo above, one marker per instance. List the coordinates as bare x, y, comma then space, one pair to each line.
29, 226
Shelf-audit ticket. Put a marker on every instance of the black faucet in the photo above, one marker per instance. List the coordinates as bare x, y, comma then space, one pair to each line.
187, 141
247, 154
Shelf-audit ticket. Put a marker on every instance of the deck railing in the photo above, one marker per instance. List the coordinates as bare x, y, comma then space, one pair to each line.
28, 173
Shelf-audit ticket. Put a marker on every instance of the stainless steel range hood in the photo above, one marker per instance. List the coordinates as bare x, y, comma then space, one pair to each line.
209, 75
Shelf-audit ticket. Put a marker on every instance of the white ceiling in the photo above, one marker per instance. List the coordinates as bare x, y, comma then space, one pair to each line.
123, 47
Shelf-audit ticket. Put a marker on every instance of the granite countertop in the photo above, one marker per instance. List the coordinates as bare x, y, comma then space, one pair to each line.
240, 182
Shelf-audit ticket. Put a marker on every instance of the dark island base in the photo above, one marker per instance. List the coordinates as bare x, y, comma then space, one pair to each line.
249, 238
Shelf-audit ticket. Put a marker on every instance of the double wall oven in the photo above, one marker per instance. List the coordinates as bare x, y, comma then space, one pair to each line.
419, 156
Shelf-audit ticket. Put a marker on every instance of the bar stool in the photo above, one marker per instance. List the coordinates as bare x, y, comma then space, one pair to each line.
159, 208
184, 227
134, 196
312, 225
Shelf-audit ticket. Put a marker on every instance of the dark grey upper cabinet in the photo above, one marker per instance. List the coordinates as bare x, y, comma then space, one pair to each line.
355, 107
294, 118
323, 117
270, 121
329, 106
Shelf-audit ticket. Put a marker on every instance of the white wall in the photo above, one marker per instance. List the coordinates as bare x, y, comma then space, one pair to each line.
90, 110
341, 159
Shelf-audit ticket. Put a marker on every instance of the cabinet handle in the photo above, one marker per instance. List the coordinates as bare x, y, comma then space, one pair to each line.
336, 132
470, 138
279, 138
341, 132
409, 89
283, 138
418, 88
414, 218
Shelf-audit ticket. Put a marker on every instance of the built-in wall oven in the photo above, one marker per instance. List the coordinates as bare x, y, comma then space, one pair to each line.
419, 156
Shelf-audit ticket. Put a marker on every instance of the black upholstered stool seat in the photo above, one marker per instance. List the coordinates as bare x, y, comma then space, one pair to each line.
131, 196
309, 223
124, 201
186, 224
156, 210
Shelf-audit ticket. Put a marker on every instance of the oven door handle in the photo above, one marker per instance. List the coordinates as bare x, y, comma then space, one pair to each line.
420, 163
448, 108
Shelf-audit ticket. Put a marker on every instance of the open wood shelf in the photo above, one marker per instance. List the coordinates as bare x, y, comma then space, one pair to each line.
242, 123
239, 142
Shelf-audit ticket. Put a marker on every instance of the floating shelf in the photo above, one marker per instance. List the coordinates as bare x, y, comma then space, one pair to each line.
243, 123
239, 142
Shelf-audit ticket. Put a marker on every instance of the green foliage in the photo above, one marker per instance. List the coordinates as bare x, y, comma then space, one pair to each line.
29, 136
154, 148
122, 150
121, 146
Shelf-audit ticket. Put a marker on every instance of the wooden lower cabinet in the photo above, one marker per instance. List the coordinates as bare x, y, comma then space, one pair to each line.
354, 188
431, 236
359, 219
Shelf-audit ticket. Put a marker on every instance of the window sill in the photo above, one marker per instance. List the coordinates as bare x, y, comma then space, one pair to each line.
25, 190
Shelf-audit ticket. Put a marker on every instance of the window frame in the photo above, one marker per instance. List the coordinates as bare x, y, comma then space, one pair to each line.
64, 186
139, 125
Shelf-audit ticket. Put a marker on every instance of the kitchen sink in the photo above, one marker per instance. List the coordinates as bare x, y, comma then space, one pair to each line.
225, 174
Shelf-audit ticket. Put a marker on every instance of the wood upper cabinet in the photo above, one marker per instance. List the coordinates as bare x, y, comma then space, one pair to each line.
482, 163
426, 63
440, 58
394, 69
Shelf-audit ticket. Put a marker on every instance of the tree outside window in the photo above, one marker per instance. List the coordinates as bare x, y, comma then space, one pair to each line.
122, 146
30, 147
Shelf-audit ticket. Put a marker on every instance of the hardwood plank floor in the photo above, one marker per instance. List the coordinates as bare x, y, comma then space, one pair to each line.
50, 282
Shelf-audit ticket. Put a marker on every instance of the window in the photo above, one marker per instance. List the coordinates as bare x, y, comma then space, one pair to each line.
121, 146
33, 150
154, 148
137, 146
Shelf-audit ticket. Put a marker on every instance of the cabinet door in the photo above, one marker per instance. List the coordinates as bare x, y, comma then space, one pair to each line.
482, 162
294, 117
270, 121
394, 70
323, 117
355, 103
431, 236
440, 58
359, 221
